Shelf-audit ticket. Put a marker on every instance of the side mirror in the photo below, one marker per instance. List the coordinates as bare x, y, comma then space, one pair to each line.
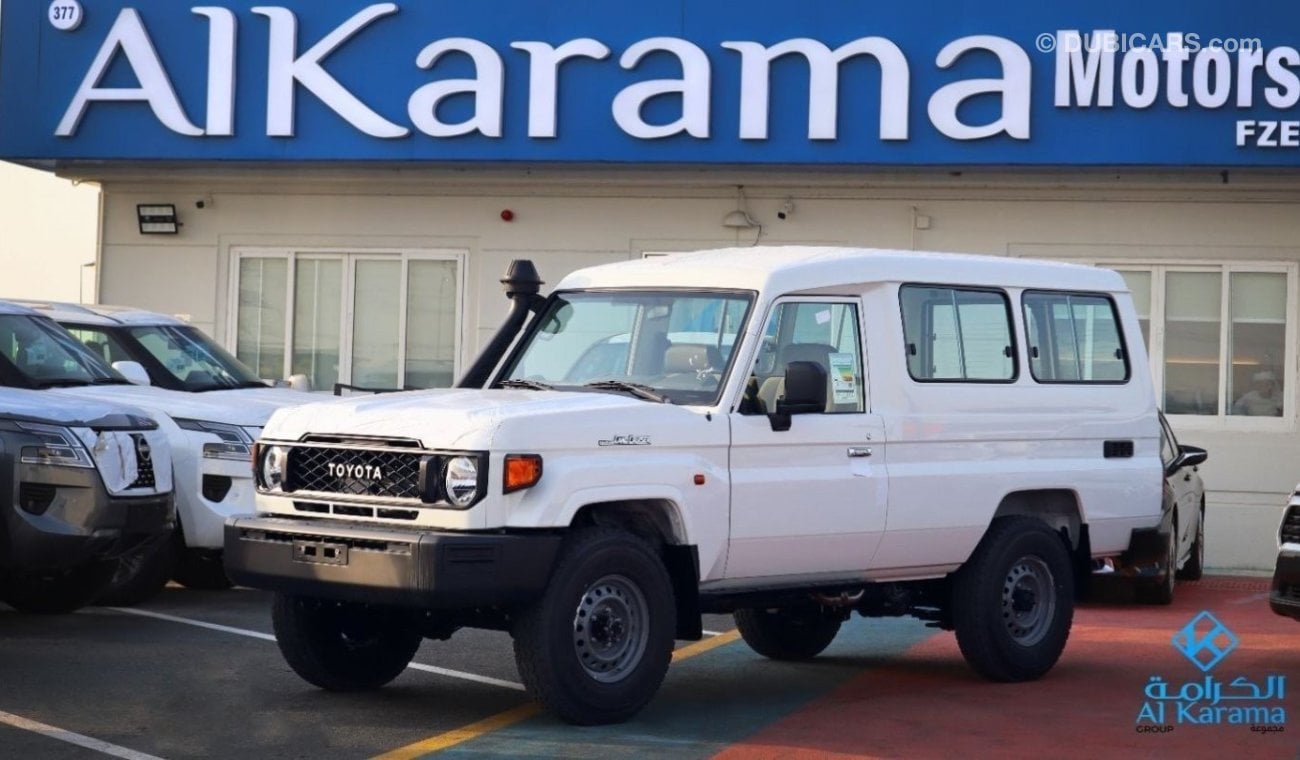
805, 393
1190, 456
133, 371
299, 382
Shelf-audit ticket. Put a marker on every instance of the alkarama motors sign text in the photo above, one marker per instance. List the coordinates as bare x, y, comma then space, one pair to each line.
831, 82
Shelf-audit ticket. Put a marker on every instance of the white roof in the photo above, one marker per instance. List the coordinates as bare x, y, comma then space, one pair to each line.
794, 269
98, 314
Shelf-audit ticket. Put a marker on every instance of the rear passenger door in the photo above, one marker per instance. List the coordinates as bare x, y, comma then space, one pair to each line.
809, 500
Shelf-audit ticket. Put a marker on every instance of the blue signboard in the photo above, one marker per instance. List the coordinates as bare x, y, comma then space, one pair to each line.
767, 82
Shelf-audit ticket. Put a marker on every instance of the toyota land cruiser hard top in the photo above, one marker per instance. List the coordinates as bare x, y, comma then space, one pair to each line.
789, 434
81, 484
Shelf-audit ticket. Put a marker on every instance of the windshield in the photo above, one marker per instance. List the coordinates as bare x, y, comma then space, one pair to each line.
47, 356
678, 344
194, 359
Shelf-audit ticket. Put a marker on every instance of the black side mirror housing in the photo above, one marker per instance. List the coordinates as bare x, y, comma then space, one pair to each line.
805, 393
1190, 456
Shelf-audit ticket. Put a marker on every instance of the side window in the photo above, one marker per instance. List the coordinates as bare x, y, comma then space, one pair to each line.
1074, 338
957, 334
101, 344
1168, 444
823, 332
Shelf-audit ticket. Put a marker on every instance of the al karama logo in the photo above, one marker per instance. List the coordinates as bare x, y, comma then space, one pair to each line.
1210, 701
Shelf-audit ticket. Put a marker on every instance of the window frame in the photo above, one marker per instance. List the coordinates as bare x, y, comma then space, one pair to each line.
348, 258
1158, 269
1011, 333
1119, 329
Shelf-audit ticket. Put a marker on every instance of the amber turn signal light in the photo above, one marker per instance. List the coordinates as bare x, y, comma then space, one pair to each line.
521, 471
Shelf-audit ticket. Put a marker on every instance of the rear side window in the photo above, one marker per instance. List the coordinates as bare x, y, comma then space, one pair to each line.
958, 334
1074, 338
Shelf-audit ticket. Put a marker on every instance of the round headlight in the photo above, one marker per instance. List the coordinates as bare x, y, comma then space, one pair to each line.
460, 481
273, 466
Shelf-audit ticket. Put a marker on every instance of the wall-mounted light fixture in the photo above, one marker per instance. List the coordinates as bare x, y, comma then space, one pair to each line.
740, 218
157, 219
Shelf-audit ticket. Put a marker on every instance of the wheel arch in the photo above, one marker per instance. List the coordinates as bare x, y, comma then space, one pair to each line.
1059, 508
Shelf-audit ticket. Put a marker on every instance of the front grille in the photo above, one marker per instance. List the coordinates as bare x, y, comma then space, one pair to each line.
371, 473
1291, 526
143, 464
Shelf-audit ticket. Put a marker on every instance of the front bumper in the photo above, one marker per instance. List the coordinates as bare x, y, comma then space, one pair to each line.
1285, 595
418, 569
74, 519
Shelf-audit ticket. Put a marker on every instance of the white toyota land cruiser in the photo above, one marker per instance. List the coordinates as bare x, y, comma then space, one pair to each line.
789, 434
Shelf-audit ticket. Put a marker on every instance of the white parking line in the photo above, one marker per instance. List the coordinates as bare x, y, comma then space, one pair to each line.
713, 633
67, 736
268, 637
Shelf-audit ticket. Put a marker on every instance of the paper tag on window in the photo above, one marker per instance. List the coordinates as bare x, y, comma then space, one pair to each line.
823, 317
844, 378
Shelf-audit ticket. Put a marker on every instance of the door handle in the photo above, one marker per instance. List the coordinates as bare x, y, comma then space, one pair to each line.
856, 452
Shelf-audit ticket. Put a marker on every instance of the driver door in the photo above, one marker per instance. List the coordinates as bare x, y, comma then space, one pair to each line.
809, 500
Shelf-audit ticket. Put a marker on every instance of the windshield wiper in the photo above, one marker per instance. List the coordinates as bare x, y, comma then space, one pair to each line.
532, 385
109, 381
230, 387
62, 382
636, 389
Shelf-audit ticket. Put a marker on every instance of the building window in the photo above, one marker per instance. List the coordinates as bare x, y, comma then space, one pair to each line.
957, 334
385, 321
1220, 337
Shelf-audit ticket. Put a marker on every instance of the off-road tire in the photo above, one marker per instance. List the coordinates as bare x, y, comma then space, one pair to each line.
342, 647
1195, 567
140, 574
59, 591
594, 649
788, 633
201, 570
1020, 562
1160, 590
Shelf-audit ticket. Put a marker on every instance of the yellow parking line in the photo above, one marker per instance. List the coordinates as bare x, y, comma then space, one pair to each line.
521, 713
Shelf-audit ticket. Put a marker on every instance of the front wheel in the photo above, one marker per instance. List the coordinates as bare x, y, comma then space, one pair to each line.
788, 633
201, 569
57, 591
1013, 601
342, 647
1195, 566
594, 649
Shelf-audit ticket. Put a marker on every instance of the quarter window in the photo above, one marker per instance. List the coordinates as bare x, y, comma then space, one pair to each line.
957, 334
1074, 338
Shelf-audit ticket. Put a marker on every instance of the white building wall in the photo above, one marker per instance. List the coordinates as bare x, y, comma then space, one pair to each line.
48, 230
567, 221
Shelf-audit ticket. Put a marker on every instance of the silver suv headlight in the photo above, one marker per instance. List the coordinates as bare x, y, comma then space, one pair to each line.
58, 447
235, 443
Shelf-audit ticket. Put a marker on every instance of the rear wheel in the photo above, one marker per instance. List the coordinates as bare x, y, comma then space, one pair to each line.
1013, 601
788, 633
1195, 567
596, 646
342, 647
59, 591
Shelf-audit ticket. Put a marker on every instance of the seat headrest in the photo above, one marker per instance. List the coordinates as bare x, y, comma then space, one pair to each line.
818, 353
691, 357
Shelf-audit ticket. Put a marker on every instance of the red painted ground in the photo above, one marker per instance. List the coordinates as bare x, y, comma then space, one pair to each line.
929, 704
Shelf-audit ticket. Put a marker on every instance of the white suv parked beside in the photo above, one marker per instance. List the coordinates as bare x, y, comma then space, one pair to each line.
789, 434
210, 437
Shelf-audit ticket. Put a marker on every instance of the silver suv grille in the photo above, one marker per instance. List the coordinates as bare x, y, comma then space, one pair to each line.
143, 463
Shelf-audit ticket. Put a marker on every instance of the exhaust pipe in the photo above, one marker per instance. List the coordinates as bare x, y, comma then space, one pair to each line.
523, 287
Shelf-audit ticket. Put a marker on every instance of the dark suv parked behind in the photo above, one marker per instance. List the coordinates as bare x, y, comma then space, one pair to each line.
81, 484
